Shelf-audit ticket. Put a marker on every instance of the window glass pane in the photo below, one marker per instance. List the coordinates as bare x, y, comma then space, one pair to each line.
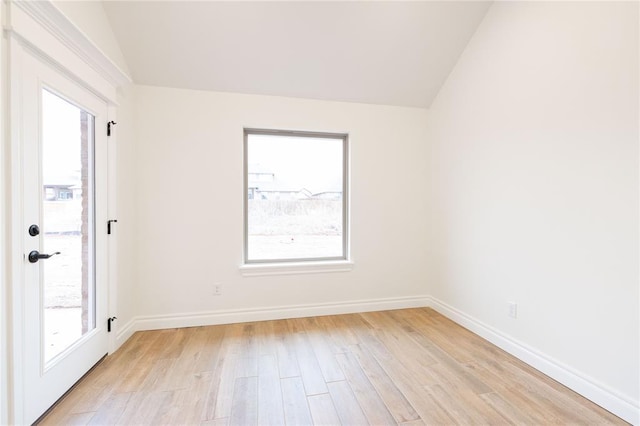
294, 197
68, 283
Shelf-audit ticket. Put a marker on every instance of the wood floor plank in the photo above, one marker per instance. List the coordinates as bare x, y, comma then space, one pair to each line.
210, 361
139, 367
94, 396
285, 350
266, 336
323, 412
249, 344
410, 366
343, 330
395, 401
246, 366
316, 336
336, 339
372, 405
216, 422
209, 353
310, 371
270, 408
456, 342
398, 341
405, 368
347, 406
111, 411
517, 397
188, 404
244, 410
156, 379
142, 407
541, 390
171, 409
417, 422
466, 407
184, 368
570, 399
218, 400
61, 411
296, 407
78, 419
174, 343
508, 410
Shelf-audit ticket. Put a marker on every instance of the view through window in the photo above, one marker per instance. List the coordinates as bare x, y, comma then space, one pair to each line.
68, 285
295, 189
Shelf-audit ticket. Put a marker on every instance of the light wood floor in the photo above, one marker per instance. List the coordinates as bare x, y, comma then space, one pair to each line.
410, 367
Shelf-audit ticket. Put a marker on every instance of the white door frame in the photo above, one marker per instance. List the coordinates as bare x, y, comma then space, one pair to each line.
4, 312
39, 29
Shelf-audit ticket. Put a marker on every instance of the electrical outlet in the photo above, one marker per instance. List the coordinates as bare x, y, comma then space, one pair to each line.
513, 309
217, 289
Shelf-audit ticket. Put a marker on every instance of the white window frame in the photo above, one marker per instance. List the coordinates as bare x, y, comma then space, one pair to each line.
297, 265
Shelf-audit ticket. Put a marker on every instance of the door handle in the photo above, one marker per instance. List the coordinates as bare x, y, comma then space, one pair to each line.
35, 255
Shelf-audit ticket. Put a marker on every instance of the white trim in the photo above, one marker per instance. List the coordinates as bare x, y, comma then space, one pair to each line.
57, 24
58, 52
112, 239
294, 268
14, 254
4, 305
620, 405
230, 316
123, 335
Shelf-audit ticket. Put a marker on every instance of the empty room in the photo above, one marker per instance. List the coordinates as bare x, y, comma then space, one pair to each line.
319, 212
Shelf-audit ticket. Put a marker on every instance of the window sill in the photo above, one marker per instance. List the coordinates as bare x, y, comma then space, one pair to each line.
262, 269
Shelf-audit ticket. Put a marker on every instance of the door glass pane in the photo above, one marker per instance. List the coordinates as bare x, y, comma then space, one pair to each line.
68, 223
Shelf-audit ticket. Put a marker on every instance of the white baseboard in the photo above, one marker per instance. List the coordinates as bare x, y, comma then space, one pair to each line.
125, 333
157, 322
620, 405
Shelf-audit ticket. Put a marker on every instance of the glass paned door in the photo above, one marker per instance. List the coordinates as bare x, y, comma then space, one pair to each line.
68, 279
63, 325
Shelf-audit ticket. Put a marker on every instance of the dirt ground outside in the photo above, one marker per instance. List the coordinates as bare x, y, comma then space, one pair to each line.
294, 229
294, 246
62, 292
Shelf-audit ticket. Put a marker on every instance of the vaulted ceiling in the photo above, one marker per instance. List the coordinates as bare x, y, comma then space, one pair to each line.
393, 53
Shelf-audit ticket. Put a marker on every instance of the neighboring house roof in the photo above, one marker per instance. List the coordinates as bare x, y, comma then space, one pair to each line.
62, 180
326, 192
259, 169
62, 185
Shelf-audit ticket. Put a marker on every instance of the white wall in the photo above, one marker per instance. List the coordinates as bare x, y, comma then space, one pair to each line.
189, 196
90, 17
534, 186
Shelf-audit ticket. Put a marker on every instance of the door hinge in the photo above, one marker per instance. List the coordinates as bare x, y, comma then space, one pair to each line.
109, 321
109, 124
109, 222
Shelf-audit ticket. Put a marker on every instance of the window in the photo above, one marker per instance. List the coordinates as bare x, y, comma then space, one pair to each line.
65, 194
295, 207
